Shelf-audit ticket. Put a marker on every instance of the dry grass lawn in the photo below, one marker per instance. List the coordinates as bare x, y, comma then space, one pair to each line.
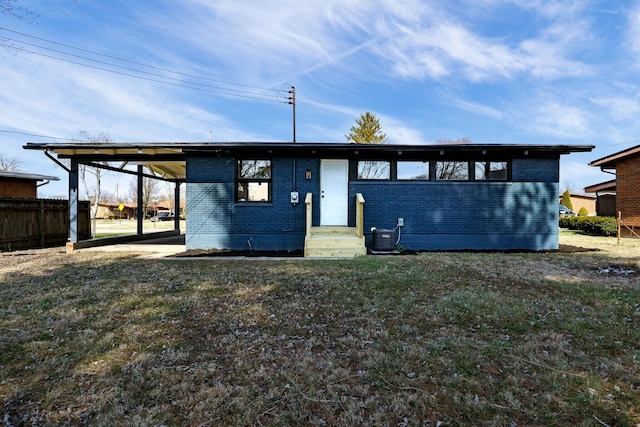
434, 339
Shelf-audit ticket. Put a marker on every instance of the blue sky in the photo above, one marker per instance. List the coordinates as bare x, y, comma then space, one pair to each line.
493, 71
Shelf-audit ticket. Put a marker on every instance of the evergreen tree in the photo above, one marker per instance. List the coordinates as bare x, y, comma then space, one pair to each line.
566, 200
367, 131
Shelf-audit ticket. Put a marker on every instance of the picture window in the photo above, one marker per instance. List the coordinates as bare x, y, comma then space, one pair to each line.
374, 170
253, 181
413, 171
452, 171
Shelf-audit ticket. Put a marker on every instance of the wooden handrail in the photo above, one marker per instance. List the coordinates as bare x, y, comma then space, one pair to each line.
360, 214
309, 213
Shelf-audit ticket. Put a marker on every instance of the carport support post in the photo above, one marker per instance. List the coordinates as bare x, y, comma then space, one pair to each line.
176, 207
141, 212
73, 205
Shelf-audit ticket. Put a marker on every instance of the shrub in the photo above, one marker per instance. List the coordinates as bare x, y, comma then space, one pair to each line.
583, 212
596, 225
566, 200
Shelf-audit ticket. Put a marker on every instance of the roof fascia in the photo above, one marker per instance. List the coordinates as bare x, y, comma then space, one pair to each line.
609, 162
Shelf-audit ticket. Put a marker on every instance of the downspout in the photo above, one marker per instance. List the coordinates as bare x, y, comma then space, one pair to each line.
606, 171
46, 153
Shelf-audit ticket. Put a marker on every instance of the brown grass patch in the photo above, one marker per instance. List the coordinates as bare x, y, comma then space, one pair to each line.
449, 338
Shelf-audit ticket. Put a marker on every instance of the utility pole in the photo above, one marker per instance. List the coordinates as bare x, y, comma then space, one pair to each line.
292, 101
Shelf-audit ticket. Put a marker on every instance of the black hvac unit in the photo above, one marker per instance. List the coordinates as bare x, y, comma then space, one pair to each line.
384, 240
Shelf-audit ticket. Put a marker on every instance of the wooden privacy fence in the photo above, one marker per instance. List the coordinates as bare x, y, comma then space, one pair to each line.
38, 223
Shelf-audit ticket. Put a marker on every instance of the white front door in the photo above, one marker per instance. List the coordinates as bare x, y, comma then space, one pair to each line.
334, 192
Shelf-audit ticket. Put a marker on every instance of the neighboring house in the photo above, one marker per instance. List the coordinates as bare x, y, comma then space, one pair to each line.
112, 211
168, 206
586, 201
22, 185
605, 197
626, 166
294, 196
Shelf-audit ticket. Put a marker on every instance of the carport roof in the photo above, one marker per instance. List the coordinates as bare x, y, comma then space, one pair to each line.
168, 158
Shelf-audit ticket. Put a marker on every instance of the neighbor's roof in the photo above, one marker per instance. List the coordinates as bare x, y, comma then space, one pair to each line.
608, 186
583, 196
168, 158
27, 176
609, 162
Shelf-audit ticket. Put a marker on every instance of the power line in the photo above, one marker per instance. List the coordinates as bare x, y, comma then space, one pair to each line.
221, 91
203, 85
188, 84
134, 62
36, 135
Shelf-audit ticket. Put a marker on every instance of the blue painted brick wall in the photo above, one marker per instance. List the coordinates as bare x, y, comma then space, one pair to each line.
438, 215
215, 220
539, 170
464, 215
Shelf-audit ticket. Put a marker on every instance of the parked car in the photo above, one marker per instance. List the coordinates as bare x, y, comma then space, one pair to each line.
162, 216
565, 211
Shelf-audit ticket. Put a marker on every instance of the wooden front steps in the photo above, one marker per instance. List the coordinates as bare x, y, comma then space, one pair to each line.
334, 242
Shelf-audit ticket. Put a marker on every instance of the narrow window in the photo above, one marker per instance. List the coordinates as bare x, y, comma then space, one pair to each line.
253, 181
413, 171
452, 171
492, 171
374, 169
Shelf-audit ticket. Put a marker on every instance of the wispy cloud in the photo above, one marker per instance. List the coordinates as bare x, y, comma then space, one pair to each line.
558, 120
477, 108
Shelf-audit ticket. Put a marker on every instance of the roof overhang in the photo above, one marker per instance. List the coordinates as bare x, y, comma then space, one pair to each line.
169, 159
609, 162
27, 176
603, 187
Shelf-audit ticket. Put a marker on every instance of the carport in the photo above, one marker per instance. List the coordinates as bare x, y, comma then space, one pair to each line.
162, 161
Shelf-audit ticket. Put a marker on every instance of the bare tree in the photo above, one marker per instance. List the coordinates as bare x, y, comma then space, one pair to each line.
373, 169
170, 195
95, 174
445, 141
12, 8
7, 164
453, 170
150, 190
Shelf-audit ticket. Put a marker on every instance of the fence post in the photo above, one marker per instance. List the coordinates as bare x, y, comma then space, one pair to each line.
43, 229
619, 221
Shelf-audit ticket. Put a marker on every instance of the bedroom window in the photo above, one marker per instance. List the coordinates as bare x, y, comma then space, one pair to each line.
374, 170
253, 181
492, 171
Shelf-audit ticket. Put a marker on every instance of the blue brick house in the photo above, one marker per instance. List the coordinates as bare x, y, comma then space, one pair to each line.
436, 197
345, 199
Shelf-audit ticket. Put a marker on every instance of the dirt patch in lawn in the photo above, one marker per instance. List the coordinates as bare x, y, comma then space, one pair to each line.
230, 253
569, 249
